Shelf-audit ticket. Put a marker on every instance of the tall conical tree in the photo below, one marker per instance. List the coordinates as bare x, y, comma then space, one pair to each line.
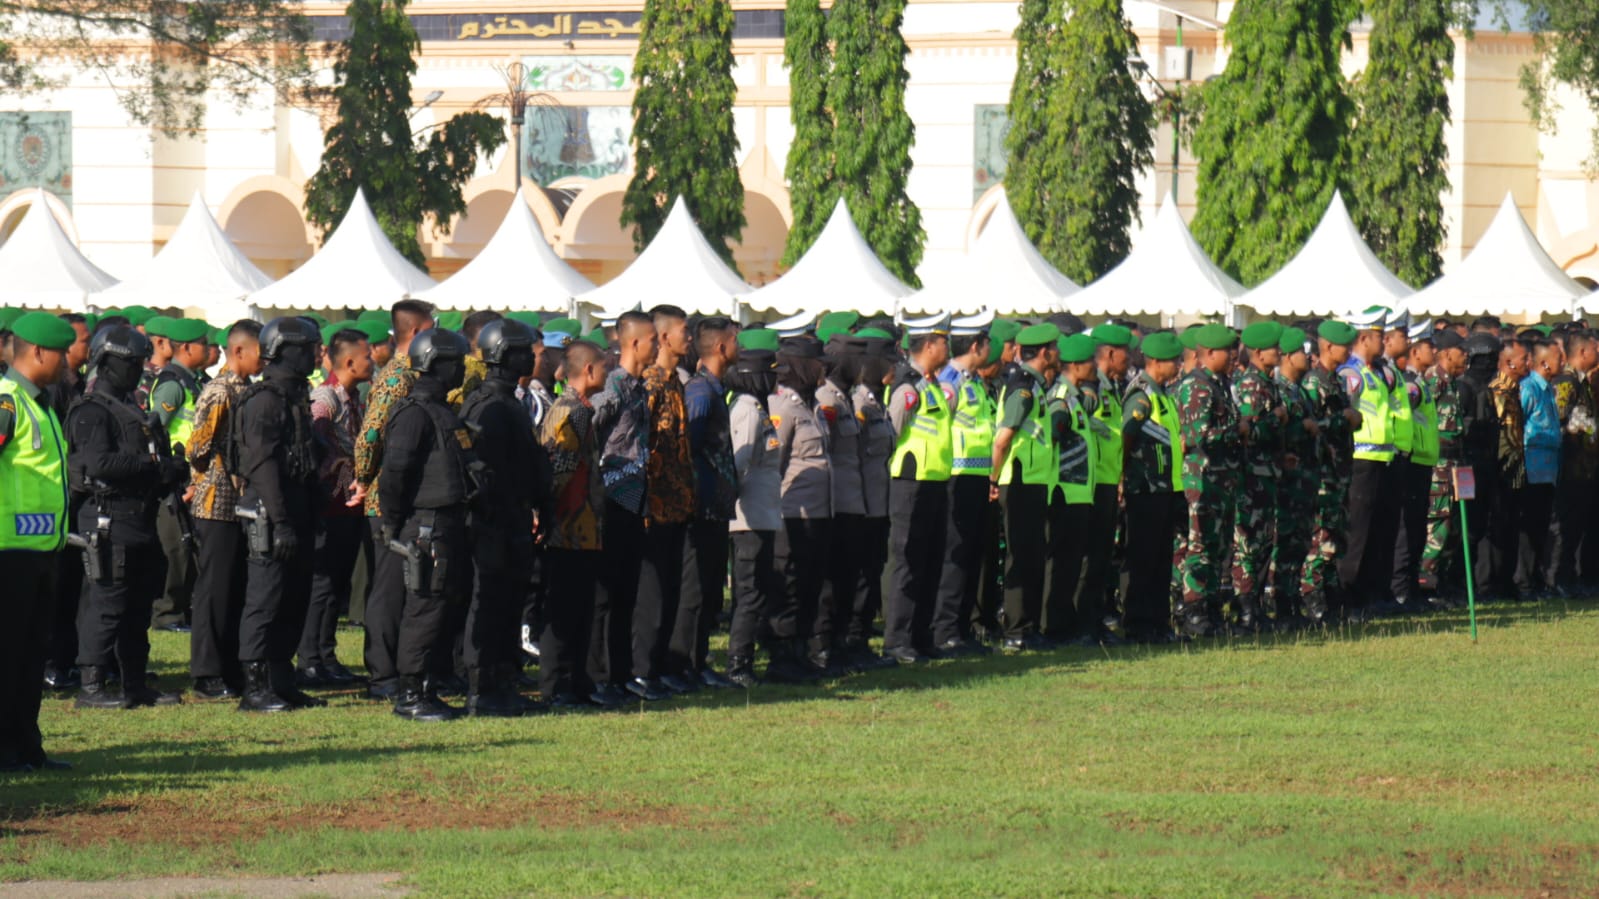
683, 138
1397, 150
370, 145
1079, 160
809, 168
872, 134
1271, 142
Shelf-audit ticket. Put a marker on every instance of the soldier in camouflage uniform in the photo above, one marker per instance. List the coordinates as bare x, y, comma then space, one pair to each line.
1212, 436
1442, 553
1255, 526
1301, 472
1337, 421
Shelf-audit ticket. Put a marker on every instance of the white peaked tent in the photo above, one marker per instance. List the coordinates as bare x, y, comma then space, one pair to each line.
1166, 273
1002, 271
40, 267
678, 267
515, 270
356, 269
839, 271
1333, 272
1508, 273
199, 268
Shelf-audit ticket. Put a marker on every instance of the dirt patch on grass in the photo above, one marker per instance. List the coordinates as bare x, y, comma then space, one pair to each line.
1547, 872
345, 886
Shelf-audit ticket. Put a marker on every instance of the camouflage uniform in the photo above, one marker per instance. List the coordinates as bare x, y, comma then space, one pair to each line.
1324, 392
1255, 525
1179, 549
1212, 453
1441, 555
1296, 499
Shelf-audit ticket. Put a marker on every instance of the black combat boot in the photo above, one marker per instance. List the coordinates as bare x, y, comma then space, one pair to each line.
283, 684
741, 671
417, 702
258, 693
485, 697
93, 692
138, 690
785, 666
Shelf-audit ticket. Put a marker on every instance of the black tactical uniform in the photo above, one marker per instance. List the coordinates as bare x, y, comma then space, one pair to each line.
118, 468
276, 458
428, 466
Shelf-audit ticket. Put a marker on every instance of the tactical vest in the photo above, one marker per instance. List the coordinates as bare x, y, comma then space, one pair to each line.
135, 433
1108, 436
300, 447
181, 424
1374, 440
1402, 427
444, 482
1078, 455
33, 477
926, 436
1031, 446
1159, 449
973, 428
1425, 443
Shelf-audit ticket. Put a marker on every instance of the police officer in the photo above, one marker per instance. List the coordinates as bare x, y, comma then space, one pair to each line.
1416, 472
172, 398
1152, 480
272, 443
119, 468
504, 528
800, 548
1364, 570
429, 470
877, 452
1071, 613
33, 529
972, 433
843, 356
1023, 476
918, 496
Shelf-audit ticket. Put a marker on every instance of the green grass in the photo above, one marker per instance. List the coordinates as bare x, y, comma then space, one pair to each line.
1397, 759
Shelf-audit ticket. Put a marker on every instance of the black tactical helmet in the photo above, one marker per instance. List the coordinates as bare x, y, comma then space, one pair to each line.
119, 340
1482, 345
284, 332
499, 338
436, 345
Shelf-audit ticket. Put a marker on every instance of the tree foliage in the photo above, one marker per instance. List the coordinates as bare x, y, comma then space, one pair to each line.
683, 140
1081, 132
1271, 142
1399, 158
1568, 34
162, 58
370, 145
809, 167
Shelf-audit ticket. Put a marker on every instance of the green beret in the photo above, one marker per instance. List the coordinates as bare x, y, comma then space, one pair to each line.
1263, 335
836, 323
531, 319
451, 321
564, 326
1077, 348
1162, 345
1003, 330
220, 335
874, 334
320, 321
996, 349
1039, 335
597, 337
375, 331
758, 339
138, 315
374, 315
44, 330
7, 316
1216, 336
1112, 335
1337, 333
187, 330
1545, 330
1189, 338
332, 328
91, 321
155, 325
1292, 341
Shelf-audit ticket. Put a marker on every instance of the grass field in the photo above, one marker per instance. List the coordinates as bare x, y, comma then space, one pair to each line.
1394, 759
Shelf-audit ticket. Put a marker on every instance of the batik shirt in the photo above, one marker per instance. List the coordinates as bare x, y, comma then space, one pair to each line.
216, 494
576, 487
391, 385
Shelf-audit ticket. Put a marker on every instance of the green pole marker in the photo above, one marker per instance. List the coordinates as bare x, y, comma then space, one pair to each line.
1466, 488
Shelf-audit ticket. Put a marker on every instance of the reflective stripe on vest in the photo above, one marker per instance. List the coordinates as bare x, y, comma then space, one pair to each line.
1108, 467
926, 437
1399, 401
1077, 462
1032, 447
1167, 421
973, 429
1425, 447
33, 477
1374, 439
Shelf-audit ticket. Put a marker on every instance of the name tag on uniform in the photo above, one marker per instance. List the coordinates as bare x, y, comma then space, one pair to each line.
41, 524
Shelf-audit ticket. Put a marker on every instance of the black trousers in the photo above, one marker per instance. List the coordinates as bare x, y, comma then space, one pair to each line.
835, 608
338, 541
660, 587
425, 617
990, 606
1479, 519
172, 607
1068, 550
1373, 515
1026, 511
1532, 556
570, 581
611, 650
799, 554
1411, 537
1153, 520
115, 621
62, 642
385, 604
918, 515
1574, 514
1099, 547
699, 604
276, 595
219, 585
965, 544
502, 570
869, 592
30, 580
756, 585
1504, 539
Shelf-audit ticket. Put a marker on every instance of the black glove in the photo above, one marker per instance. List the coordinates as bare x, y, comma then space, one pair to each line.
284, 543
174, 471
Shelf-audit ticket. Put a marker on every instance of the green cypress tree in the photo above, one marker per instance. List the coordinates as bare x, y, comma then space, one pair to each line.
872, 134
371, 147
683, 140
1028, 170
1399, 173
1271, 143
1081, 157
809, 168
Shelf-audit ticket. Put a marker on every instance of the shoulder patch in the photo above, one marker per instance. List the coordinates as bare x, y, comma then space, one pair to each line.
1352, 381
910, 400
777, 421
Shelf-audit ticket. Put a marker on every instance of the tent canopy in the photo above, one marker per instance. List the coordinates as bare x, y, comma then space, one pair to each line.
839, 271
1002, 271
356, 269
1334, 272
678, 267
516, 270
1508, 273
40, 268
199, 268
1166, 273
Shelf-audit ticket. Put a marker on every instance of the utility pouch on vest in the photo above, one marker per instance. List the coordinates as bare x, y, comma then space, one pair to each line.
257, 529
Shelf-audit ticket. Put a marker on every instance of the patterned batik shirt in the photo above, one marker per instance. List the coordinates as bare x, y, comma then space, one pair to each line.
391, 385
1507, 404
670, 469
216, 494
576, 487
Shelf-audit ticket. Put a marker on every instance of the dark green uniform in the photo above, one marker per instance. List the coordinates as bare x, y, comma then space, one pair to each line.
1296, 499
1255, 523
1326, 397
1212, 456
